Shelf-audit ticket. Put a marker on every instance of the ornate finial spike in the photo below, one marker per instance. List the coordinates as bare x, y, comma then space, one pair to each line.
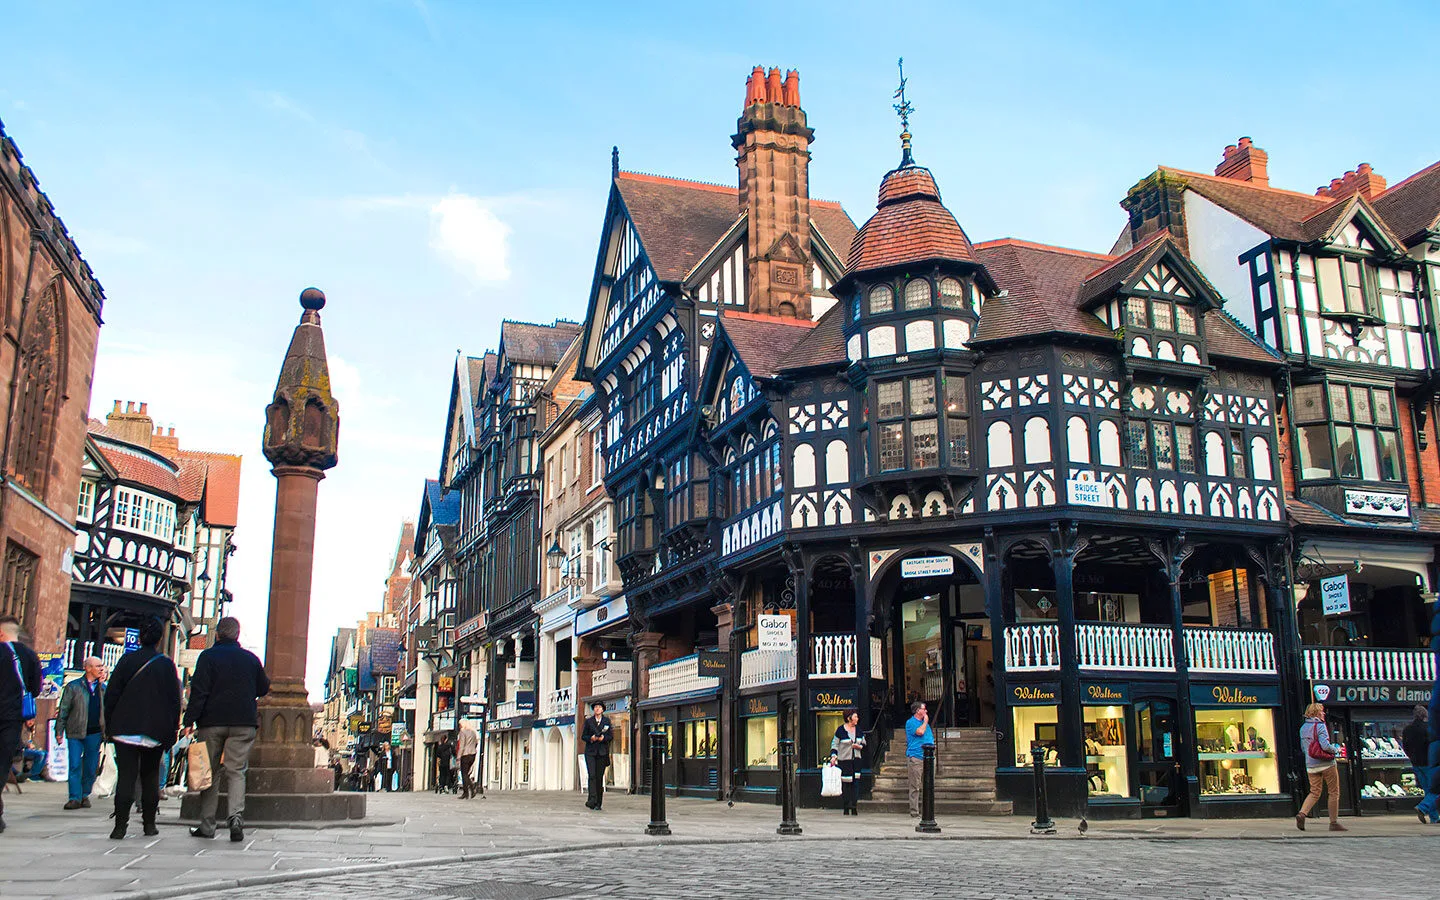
903, 109
312, 298
614, 162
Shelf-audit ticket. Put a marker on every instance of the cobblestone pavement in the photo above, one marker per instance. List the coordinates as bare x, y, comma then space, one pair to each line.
974, 870
50, 852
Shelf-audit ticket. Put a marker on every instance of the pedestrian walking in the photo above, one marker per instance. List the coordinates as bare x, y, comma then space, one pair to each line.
142, 716
228, 680
1320, 765
385, 765
81, 724
467, 745
1415, 741
596, 735
444, 756
19, 686
847, 749
918, 736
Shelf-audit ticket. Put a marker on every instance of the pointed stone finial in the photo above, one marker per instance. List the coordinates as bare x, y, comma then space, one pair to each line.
614, 162
302, 422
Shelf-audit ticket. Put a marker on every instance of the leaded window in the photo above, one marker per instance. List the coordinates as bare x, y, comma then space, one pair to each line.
907, 414
917, 294
952, 293
882, 299
1347, 431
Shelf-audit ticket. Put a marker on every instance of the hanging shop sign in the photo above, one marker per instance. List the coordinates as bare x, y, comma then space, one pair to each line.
927, 566
1226, 695
132, 639
397, 734
1335, 595
1038, 693
1085, 493
1379, 693
385, 724
774, 632
759, 706
712, 663
1097, 694
445, 684
352, 722
825, 700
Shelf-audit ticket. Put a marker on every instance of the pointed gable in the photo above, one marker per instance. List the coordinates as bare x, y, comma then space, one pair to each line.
1411, 208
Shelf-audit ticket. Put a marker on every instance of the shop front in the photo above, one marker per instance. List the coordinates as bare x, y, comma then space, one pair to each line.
692, 737
1238, 756
1367, 719
760, 728
508, 750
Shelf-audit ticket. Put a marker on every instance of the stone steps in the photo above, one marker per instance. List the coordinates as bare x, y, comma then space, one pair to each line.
943, 807
964, 775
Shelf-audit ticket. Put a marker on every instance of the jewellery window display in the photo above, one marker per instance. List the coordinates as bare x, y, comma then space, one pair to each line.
1385, 770
762, 740
1107, 759
826, 724
1236, 748
701, 739
1037, 727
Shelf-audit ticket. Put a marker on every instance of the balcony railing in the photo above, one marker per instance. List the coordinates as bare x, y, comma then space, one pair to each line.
110, 653
509, 709
559, 702
614, 677
679, 676
1125, 648
834, 656
759, 667
1368, 664
1141, 648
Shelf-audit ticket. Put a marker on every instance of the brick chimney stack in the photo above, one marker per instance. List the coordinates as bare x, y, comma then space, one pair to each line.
1245, 162
131, 426
772, 143
165, 443
1363, 180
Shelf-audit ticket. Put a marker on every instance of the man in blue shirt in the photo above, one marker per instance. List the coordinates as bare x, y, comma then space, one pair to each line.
918, 735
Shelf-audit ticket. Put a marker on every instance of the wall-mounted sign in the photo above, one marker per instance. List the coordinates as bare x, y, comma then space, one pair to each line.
1375, 503
657, 717
1335, 595
822, 699
1039, 693
407, 703
927, 566
132, 639
1378, 693
445, 684
1226, 695
1096, 694
774, 632
758, 706
1086, 493
712, 663
611, 612
700, 711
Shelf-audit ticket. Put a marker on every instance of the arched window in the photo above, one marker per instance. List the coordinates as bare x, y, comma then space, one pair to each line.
1077, 438
882, 299
1000, 445
837, 462
37, 389
952, 293
917, 293
1037, 440
1260, 458
1109, 439
1214, 454
802, 469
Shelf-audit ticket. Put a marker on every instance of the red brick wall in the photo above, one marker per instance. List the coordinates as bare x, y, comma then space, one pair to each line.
1418, 466
1287, 450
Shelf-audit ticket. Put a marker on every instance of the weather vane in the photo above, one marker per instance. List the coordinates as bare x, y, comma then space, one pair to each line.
903, 109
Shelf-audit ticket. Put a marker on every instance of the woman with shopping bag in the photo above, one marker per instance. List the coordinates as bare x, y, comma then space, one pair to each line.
142, 718
847, 749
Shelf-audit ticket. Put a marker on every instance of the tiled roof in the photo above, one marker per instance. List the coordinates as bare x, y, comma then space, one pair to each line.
527, 342
910, 225
1275, 211
140, 466
1042, 284
1303, 512
480, 370
444, 505
1227, 338
222, 487
823, 345
192, 478
679, 221
1412, 207
763, 342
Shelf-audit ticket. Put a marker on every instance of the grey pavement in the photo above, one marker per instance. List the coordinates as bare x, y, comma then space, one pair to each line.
50, 852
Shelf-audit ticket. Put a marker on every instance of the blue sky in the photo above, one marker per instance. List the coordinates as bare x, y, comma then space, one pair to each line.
437, 166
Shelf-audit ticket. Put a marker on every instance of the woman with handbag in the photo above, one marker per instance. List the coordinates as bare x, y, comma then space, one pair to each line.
846, 749
1320, 765
142, 716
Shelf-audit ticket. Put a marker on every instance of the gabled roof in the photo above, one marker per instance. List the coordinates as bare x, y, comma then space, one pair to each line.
444, 505
221, 485
1412, 208
1126, 267
823, 345
1041, 285
1226, 337
527, 342
140, 466
910, 225
763, 342
478, 370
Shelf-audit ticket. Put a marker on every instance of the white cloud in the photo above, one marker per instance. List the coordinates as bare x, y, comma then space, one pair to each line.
470, 237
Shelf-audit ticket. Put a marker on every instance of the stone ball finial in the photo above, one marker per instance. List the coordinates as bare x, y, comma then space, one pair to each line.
312, 298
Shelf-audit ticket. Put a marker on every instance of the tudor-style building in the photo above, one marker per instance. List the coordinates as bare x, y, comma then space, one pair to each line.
1337, 284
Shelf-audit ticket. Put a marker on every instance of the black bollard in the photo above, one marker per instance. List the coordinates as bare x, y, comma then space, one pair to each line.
1042, 823
927, 793
657, 825
788, 825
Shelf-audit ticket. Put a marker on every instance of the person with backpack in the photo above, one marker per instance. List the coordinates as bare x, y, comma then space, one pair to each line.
1320, 765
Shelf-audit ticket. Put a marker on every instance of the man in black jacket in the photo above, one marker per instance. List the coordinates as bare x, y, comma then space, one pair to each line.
19, 674
1415, 741
596, 736
228, 680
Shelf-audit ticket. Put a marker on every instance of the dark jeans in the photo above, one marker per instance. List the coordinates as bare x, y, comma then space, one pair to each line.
132, 761
850, 783
466, 763
9, 746
595, 766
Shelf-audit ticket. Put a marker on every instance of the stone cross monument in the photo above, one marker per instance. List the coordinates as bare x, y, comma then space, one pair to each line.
302, 429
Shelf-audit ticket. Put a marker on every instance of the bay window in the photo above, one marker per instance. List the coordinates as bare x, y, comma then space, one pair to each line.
1347, 431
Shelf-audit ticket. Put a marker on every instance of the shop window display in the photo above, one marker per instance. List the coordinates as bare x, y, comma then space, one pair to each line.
1386, 769
826, 724
1106, 756
701, 739
1037, 728
1237, 751
762, 741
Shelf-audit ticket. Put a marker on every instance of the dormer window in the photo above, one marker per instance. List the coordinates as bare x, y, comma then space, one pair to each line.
1343, 286
882, 299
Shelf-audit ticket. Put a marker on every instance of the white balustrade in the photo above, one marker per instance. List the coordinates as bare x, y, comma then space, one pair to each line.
509, 709
110, 653
877, 658
615, 677
1124, 648
559, 702
1230, 651
679, 676
832, 656
1032, 648
1368, 664
760, 667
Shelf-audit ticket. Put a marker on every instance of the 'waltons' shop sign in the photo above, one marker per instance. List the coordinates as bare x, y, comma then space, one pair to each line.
1234, 695
712, 663
1095, 694
830, 699
758, 706
1039, 693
